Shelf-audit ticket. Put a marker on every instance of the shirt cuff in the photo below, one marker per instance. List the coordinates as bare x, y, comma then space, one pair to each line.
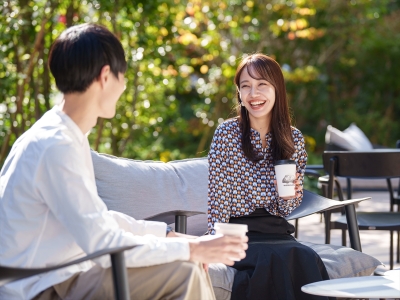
158, 229
156, 251
178, 249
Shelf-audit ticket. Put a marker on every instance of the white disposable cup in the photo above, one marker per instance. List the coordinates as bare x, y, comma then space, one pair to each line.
285, 171
230, 229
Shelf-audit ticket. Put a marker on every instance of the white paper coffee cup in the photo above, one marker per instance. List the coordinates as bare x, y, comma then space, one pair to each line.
285, 171
230, 229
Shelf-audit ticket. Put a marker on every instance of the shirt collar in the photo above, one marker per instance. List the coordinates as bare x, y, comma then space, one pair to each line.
257, 135
70, 124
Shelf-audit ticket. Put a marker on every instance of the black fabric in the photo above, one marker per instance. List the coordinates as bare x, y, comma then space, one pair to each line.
262, 221
276, 265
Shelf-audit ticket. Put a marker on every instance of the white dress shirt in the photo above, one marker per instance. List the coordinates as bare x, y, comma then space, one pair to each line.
50, 212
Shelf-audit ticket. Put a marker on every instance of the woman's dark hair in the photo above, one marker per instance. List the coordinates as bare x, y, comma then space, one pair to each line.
260, 66
80, 52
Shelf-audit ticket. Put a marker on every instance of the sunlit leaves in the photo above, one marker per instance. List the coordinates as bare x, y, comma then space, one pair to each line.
298, 75
182, 56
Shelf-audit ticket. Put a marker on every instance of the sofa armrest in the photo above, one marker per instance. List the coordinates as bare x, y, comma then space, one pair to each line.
314, 203
121, 288
177, 216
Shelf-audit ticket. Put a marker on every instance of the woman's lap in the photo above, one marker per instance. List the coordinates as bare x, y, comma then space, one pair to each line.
276, 267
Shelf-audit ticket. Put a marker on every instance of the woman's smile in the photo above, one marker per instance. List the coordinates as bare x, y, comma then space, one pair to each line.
257, 104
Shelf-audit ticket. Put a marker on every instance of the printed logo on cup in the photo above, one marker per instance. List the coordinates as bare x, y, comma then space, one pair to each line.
288, 180
285, 172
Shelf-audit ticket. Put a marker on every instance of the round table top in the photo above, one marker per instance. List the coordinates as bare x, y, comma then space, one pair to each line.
387, 286
392, 273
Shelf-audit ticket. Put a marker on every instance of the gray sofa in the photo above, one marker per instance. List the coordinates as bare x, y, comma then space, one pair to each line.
143, 189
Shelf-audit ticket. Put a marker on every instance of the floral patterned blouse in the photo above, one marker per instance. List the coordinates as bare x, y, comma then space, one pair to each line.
238, 186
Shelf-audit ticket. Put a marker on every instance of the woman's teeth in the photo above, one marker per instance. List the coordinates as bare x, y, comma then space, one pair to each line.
257, 103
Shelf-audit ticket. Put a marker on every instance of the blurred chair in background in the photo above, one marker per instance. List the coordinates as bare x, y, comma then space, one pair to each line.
350, 139
375, 164
354, 139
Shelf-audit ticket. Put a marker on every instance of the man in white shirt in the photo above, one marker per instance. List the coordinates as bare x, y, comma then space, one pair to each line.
50, 212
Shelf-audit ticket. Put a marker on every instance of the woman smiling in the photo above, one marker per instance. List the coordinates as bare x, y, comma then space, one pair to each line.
242, 186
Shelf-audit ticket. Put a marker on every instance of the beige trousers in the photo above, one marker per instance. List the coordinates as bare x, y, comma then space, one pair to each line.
176, 280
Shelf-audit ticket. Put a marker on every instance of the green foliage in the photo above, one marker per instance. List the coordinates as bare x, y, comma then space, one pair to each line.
339, 60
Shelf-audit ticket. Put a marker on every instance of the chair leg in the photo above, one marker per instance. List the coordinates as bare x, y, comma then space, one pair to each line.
120, 279
354, 232
398, 246
348, 181
327, 217
181, 224
398, 232
391, 249
343, 237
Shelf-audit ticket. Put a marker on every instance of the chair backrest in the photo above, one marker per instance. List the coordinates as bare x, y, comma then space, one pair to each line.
378, 163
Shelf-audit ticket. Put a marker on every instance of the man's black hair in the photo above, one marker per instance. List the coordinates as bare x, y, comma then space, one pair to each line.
80, 52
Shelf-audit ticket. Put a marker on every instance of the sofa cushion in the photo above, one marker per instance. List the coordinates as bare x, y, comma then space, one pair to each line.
144, 188
339, 261
342, 261
222, 279
352, 138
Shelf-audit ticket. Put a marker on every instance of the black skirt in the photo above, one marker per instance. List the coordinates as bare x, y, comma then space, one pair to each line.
276, 266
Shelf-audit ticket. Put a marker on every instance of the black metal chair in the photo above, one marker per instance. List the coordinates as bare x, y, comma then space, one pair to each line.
374, 164
394, 200
313, 203
120, 279
313, 171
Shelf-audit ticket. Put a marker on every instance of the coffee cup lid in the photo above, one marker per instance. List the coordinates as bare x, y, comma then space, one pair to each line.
285, 162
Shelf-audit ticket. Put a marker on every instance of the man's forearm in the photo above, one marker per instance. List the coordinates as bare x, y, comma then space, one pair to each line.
181, 235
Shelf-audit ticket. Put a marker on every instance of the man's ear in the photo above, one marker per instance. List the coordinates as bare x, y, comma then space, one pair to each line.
104, 75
